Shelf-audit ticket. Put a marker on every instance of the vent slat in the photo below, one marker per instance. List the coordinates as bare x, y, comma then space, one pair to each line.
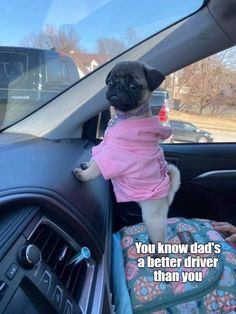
60, 264
36, 235
70, 271
77, 280
46, 246
50, 255
56, 253
64, 270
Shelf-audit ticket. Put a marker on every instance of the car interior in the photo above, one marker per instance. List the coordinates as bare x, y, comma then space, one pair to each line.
42, 204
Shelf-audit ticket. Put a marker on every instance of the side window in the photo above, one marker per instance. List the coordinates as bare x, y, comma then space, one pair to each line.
189, 127
204, 95
178, 125
57, 71
197, 102
13, 67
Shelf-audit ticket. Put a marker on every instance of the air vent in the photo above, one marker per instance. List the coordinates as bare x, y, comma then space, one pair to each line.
56, 253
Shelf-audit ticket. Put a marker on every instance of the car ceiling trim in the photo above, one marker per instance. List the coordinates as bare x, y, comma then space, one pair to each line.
219, 11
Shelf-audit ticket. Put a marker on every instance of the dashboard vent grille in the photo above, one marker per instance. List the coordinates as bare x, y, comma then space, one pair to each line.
56, 253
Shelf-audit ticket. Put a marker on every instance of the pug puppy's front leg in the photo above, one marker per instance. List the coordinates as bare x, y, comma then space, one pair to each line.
90, 173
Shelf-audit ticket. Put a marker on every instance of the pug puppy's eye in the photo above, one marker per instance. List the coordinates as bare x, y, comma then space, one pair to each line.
133, 87
109, 82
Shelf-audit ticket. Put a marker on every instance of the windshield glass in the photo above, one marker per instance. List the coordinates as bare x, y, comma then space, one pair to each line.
48, 45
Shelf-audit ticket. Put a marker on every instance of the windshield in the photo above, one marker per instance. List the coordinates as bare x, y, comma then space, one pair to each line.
48, 45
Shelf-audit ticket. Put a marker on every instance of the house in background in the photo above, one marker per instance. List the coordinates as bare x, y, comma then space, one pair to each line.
87, 62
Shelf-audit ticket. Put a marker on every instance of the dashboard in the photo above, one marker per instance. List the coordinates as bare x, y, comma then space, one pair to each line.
55, 232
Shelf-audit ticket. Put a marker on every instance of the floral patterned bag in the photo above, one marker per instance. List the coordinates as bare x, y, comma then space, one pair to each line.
215, 293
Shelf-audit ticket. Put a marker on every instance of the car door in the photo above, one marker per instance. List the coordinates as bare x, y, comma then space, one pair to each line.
208, 182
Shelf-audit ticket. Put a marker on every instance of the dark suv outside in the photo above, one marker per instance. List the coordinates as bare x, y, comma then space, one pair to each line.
29, 78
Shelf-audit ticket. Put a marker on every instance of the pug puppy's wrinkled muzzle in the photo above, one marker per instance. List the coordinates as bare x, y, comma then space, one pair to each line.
130, 85
124, 96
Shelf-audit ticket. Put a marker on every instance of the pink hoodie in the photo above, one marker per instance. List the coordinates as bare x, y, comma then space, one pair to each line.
131, 157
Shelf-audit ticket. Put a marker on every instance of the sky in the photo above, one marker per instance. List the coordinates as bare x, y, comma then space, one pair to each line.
92, 19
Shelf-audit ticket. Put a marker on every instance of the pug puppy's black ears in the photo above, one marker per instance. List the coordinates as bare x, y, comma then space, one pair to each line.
154, 78
108, 76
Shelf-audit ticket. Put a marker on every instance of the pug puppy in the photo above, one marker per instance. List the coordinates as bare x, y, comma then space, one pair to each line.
130, 154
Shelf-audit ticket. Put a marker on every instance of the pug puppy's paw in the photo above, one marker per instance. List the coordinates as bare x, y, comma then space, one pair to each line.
77, 172
84, 165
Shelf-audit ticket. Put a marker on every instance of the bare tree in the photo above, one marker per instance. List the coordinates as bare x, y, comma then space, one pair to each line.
51, 37
206, 86
110, 46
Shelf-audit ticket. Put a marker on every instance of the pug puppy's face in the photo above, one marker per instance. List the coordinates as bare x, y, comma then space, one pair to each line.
130, 85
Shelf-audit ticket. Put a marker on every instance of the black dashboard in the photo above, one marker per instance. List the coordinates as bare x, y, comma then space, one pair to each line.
47, 219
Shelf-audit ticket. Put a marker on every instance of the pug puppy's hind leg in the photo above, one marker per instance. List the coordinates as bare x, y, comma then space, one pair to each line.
90, 173
154, 214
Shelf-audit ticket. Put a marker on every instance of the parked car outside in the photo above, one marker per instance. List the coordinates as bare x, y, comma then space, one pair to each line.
187, 132
29, 78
